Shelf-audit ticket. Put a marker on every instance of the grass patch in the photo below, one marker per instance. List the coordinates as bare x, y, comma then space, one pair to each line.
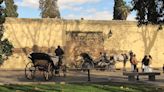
82, 87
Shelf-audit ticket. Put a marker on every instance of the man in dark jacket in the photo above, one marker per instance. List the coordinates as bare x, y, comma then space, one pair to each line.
59, 52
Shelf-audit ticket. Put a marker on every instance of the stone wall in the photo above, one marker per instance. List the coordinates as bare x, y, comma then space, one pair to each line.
83, 42
46, 34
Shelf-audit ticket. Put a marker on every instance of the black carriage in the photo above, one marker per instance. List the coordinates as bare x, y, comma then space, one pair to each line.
88, 62
40, 62
102, 63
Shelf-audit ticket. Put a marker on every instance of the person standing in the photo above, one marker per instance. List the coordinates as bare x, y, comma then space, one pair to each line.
134, 62
143, 65
131, 56
125, 56
146, 64
59, 52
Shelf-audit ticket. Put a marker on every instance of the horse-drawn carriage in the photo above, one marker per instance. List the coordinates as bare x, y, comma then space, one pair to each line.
87, 62
104, 62
45, 63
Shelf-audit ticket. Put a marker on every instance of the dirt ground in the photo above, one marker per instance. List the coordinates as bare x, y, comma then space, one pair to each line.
18, 77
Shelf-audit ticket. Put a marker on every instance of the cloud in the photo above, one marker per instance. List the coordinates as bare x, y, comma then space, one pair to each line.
76, 9
64, 4
69, 7
92, 14
74, 4
28, 3
91, 10
131, 17
102, 15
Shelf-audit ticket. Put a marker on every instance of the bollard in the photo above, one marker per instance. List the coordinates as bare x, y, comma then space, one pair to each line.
137, 75
89, 79
163, 68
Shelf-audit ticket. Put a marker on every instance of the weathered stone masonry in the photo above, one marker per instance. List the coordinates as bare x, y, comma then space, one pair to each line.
77, 36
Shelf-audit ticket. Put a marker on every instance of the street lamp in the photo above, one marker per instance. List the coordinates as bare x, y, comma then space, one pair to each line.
110, 34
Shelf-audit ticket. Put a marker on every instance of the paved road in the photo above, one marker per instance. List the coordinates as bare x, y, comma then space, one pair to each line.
17, 77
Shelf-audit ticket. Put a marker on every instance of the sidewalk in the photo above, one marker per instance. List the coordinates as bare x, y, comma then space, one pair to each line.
18, 77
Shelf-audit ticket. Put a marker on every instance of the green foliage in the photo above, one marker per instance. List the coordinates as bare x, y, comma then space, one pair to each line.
149, 11
82, 87
5, 45
11, 9
1, 1
49, 9
2, 19
2, 16
5, 50
121, 10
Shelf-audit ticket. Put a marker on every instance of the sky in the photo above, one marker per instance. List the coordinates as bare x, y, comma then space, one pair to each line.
72, 9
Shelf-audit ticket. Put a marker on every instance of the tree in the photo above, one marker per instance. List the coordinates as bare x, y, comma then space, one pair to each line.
149, 12
121, 10
11, 8
49, 9
5, 45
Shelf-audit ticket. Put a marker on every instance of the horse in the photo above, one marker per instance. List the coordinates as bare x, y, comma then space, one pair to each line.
87, 61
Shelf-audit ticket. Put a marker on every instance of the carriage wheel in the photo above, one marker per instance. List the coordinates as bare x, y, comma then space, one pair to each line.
48, 74
30, 71
87, 65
